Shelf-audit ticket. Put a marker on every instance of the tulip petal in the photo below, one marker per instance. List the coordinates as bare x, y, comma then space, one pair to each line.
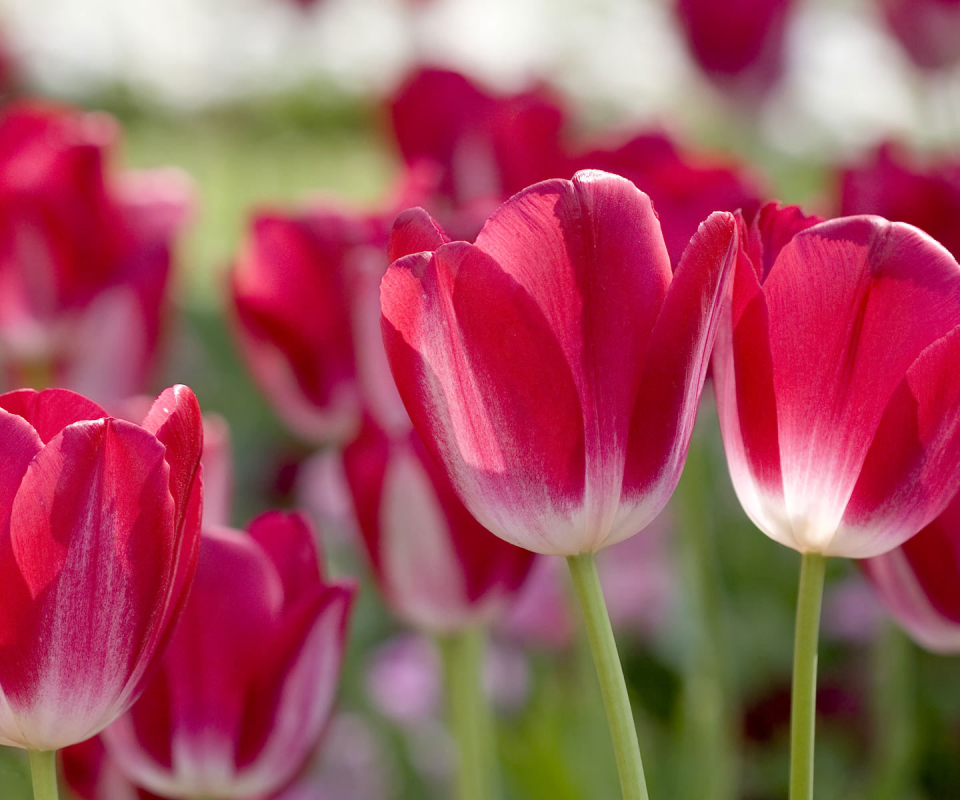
51, 410
92, 531
289, 541
909, 474
414, 231
674, 372
851, 305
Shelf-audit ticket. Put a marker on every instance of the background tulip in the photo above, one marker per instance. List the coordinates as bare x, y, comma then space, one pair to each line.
98, 546
85, 255
928, 30
248, 682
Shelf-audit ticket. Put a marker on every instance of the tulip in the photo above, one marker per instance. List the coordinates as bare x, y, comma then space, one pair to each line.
439, 569
928, 30
738, 44
838, 404
97, 552
919, 581
893, 184
246, 687
685, 187
84, 255
554, 369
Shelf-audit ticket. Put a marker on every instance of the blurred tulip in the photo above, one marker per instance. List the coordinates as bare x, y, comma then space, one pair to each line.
838, 402
929, 30
685, 188
92, 775
305, 290
97, 554
438, 568
739, 43
919, 582
248, 682
84, 256
554, 367
486, 147
893, 185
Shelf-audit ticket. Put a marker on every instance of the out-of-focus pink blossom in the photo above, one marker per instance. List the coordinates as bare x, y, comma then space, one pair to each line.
85, 254
929, 30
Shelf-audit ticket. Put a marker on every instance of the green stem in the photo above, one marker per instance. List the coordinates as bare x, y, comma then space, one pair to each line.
803, 702
43, 767
623, 730
470, 717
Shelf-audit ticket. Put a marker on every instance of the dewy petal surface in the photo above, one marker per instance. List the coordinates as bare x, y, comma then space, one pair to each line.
92, 532
851, 305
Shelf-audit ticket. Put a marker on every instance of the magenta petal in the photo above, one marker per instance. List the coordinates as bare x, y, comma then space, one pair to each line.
289, 541
414, 231
51, 410
834, 296
93, 534
675, 369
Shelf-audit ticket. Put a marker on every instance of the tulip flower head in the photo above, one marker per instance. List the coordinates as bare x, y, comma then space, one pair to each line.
555, 366
919, 582
98, 546
837, 390
247, 685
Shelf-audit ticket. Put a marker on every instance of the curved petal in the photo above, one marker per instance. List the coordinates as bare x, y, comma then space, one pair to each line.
51, 410
414, 231
834, 296
289, 541
92, 532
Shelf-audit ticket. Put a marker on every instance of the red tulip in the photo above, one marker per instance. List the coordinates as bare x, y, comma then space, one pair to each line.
438, 567
84, 255
485, 146
929, 30
97, 552
554, 367
739, 41
305, 291
685, 188
247, 684
893, 185
92, 775
919, 582
838, 401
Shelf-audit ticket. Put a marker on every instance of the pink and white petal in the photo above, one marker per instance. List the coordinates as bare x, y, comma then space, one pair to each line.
851, 305
490, 392
51, 410
316, 641
414, 231
910, 472
159, 203
673, 374
905, 599
289, 541
92, 531
591, 255
217, 463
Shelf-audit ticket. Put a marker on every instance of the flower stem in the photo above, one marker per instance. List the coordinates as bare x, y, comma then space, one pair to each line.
470, 717
43, 767
623, 730
803, 701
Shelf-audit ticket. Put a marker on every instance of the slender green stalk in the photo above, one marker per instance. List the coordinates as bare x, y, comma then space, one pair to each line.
894, 716
803, 701
470, 715
708, 735
43, 767
623, 729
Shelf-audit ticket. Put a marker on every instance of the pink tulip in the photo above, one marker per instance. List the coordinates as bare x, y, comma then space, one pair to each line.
739, 42
554, 367
839, 405
247, 685
919, 582
97, 552
895, 184
84, 255
685, 187
438, 568
929, 30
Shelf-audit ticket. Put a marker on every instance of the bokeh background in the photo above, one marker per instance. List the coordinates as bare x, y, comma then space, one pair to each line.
275, 103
